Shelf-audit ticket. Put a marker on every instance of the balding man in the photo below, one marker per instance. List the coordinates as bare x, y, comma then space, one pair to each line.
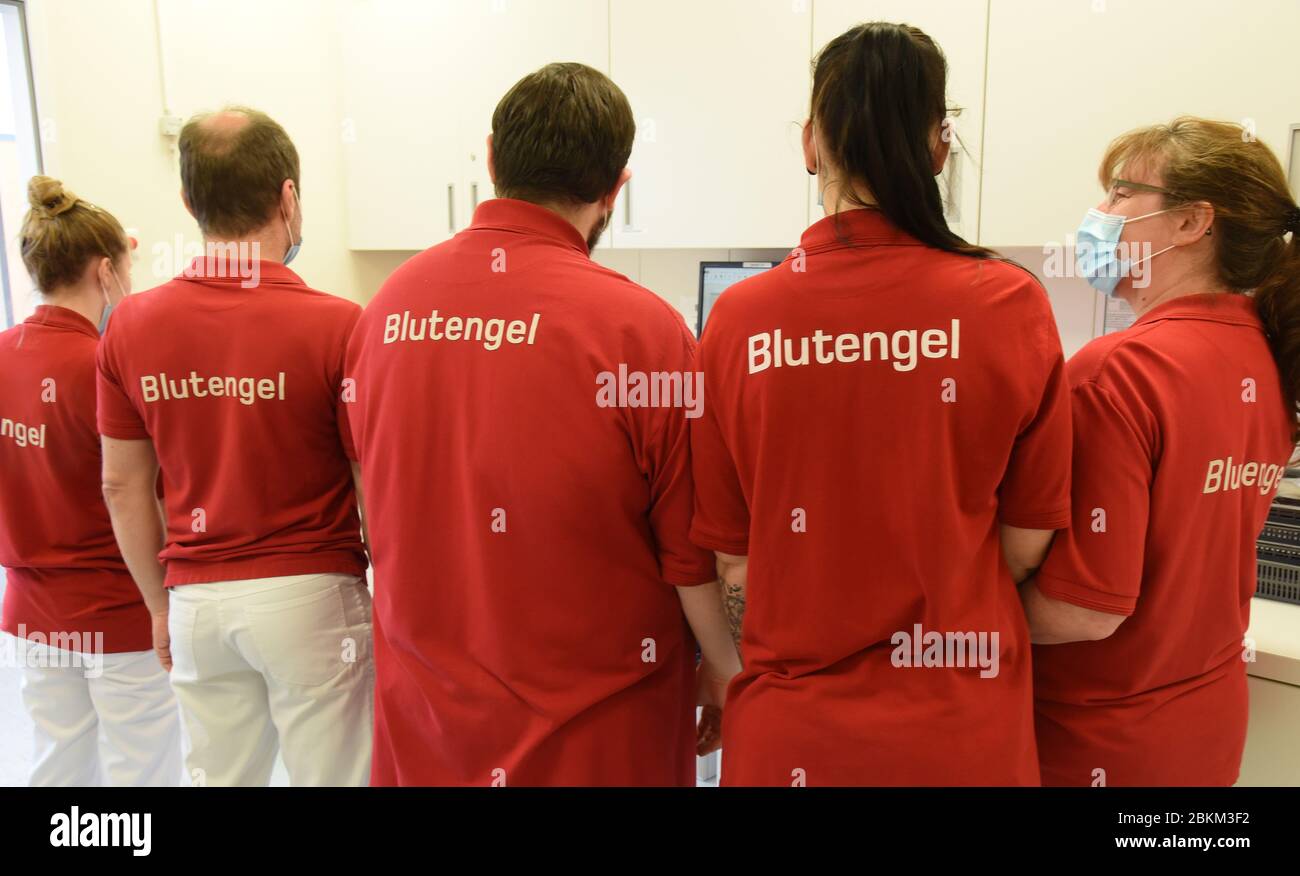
229, 379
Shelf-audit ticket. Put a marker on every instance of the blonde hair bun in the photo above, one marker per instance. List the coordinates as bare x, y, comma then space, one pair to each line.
48, 196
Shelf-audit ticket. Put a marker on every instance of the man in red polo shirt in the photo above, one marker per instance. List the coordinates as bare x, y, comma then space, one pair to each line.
229, 378
528, 491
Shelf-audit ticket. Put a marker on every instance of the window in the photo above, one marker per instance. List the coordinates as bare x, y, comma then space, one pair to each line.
20, 158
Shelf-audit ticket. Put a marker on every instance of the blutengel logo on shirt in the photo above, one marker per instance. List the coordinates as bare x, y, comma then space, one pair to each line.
1222, 475
903, 348
490, 332
247, 390
23, 435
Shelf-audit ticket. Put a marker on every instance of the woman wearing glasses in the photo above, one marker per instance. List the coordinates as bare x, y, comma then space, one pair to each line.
1183, 425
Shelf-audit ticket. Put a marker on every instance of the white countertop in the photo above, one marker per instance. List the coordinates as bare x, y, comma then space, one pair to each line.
1275, 629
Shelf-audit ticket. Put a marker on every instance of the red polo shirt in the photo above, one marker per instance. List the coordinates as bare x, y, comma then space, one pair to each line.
526, 537
876, 409
237, 380
1181, 436
65, 580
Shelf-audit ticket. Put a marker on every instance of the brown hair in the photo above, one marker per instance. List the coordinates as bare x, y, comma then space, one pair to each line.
1222, 164
561, 135
879, 91
233, 169
62, 234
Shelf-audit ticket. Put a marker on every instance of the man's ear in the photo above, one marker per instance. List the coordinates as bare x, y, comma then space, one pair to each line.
288, 199
612, 197
186, 201
491, 162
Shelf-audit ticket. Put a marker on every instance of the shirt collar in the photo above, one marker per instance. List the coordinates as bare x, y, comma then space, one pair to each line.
218, 271
62, 318
508, 214
1229, 307
854, 228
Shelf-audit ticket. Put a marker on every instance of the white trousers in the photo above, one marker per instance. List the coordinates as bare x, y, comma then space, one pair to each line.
97, 718
275, 663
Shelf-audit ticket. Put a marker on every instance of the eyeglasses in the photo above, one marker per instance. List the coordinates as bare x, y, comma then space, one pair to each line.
1113, 191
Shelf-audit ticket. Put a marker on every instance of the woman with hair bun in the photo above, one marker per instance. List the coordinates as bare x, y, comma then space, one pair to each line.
81, 630
1183, 426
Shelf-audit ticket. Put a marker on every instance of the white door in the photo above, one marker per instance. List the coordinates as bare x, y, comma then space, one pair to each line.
421, 80
719, 90
1064, 82
403, 66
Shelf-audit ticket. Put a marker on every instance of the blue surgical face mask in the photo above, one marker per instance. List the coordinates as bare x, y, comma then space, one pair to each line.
1096, 246
108, 305
294, 248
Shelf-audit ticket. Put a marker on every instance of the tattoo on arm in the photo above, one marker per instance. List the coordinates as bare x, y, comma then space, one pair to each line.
733, 603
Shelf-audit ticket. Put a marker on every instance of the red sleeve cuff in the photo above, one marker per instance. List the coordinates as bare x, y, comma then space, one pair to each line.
1056, 519
1085, 597
123, 431
731, 543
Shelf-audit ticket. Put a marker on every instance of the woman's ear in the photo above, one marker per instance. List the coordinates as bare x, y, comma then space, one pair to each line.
1195, 223
104, 273
810, 157
941, 147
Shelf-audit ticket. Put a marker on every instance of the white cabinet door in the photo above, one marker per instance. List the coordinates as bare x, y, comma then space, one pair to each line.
1064, 79
719, 90
420, 81
510, 39
959, 27
403, 64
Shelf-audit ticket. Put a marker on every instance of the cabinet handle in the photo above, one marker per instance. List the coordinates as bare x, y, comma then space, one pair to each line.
627, 205
473, 195
451, 208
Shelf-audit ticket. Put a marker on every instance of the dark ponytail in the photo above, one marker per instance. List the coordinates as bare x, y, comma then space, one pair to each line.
879, 93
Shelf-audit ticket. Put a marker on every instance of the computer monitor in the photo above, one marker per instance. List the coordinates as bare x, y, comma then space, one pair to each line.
716, 278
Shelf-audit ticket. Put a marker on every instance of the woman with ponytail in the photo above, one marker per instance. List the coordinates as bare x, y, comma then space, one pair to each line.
81, 631
1184, 424
883, 454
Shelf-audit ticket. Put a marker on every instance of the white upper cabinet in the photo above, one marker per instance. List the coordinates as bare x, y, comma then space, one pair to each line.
420, 82
719, 89
959, 27
1066, 78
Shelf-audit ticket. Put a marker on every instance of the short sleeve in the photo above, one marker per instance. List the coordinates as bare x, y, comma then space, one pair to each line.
666, 460
1097, 562
721, 521
117, 417
1035, 488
